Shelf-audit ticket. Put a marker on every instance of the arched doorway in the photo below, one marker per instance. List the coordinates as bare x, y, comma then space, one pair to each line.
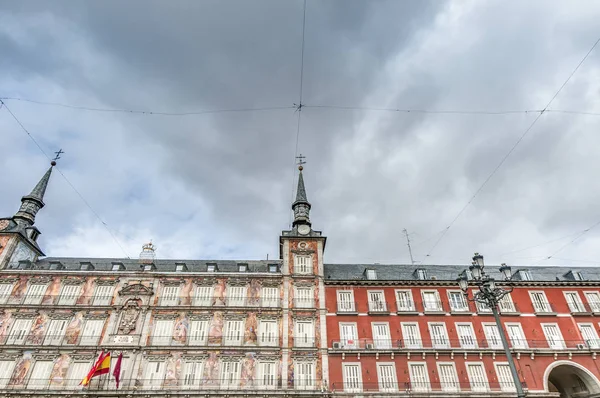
571, 380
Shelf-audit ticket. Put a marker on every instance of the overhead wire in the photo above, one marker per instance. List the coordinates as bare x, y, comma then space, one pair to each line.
579, 235
511, 150
65, 178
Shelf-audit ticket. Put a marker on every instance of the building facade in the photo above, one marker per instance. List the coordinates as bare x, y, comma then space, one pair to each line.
291, 327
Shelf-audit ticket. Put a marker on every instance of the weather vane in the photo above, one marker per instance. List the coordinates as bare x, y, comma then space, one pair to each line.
300, 161
58, 153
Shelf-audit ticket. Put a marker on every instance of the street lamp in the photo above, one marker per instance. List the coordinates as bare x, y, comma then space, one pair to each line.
490, 295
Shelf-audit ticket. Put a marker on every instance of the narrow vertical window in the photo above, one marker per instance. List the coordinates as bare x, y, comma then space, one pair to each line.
352, 377
419, 380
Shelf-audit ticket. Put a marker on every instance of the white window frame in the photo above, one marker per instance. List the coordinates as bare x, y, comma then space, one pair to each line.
154, 374
476, 386
236, 296
576, 306
442, 342
172, 298
308, 340
408, 306
303, 264
345, 342
268, 339
540, 306
198, 334
203, 296
387, 385
521, 342
100, 298
40, 382
158, 338
454, 384
495, 341
411, 341
230, 375
19, 331
69, 294
427, 303
304, 302
268, 299
304, 381
464, 343
593, 341
595, 302
267, 381
352, 385
54, 336
232, 337
6, 369
508, 384
506, 304
5, 291
35, 299
371, 274
416, 386
453, 307
345, 305
378, 305
525, 275
76, 372
555, 344
91, 339
191, 374
381, 342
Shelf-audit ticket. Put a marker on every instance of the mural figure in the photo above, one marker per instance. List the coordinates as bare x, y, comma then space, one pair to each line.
248, 365
250, 330
74, 329
21, 370
59, 371
219, 295
52, 292
173, 370
211, 370
86, 292
290, 373
215, 331
186, 293
129, 317
254, 292
19, 290
319, 372
5, 322
181, 329
36, 334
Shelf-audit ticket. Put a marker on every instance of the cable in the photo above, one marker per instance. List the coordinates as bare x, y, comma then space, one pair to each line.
299, 106
512, 149
157, 113
424, 110
579, 235
538, 245
66, 179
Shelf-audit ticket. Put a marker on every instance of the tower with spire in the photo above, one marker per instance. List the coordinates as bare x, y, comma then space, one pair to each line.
18, 234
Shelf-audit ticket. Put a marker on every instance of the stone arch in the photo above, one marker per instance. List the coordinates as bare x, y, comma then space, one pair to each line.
571, 378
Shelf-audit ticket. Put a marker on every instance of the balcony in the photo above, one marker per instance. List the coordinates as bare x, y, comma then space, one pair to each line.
346, 308
418, 388
406, 307
304, 304
303, 342
50, 340
57, 300
579, 308
255, 302
544, 308
378, 308
433, 307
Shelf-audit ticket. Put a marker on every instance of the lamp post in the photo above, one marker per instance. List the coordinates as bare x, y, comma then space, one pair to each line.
490, 295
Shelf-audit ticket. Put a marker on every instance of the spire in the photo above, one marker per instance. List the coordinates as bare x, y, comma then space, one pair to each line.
301, 205
301, 191
33, 202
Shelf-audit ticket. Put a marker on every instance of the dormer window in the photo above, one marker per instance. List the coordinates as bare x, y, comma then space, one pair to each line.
117, 267
578, 276
149, 267
371, 274
211, 268
180, 267
525, 275
273, 268
242, 267
56, 265
86, 267
421, 274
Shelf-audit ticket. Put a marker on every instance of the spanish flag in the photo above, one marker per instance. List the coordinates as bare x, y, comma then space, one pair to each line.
101, 367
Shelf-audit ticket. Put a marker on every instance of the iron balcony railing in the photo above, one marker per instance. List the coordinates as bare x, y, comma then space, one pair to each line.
35, 339
578, 307
543, 307
464, 343
406, 306
346, 307
303, 303
432, 306
378, 307
449, 386
244, 301
56, 299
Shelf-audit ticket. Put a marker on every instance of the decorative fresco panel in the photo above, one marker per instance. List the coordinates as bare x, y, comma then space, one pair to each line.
5, 323
19, 290
38, 330
248, 371
187, 292
21, 370
52, 292
74, 329
250, 331
59, 371
290, 372
181, 329
254, 291
219, 294
87, 291
211, 370
173, 374
215, 331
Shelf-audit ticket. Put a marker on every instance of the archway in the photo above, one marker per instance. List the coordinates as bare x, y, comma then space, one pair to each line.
571, 380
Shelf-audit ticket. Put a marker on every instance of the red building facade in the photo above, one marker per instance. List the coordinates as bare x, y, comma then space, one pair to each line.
398, 330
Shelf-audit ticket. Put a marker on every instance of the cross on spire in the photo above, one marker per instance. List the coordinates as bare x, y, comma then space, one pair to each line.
58, 153
300, 161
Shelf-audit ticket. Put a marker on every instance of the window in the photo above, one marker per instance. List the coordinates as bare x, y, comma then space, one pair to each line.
92, 330
236, 296
345, 301
180, 267
242, 267
6, 369
482, 307
458, 302
69, 295
588, 333
539, 301
411, 334
431, 301
77, 371
477, 377
203, 296
381, 335
506, 304
304, 334
439, 336
155, 373
466, 335
302, 264
233, 332
56, 332
515, 335
421, 274
386, 376
269, 297
574, 302
419, 380
304, 297
267, 333
116, 267
5, 290
40, 375
505, 377
371, 274
377, 301
192, 374
19, 331
211, 268
352, 377
304, 377
578, 276
553, 336
267, 375
593, 299
404, 301
525, 275
273, 268
103, 295
149, 267
34, 294
348, 335
170, 296
492, 335
448, 376
198, 332
163, 331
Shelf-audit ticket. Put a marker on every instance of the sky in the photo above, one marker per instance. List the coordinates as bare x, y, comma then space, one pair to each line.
220, 185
